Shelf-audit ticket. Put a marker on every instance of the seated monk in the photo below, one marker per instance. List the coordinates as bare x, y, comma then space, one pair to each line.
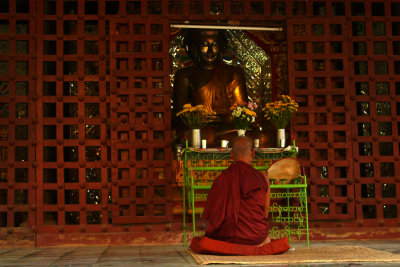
238, 202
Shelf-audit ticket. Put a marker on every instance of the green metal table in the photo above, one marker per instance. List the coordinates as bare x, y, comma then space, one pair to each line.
288, 208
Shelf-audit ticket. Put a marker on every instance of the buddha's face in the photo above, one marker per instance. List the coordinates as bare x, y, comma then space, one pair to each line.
209, 48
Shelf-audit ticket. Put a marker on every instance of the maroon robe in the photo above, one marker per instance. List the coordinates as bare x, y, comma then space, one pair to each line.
235, 206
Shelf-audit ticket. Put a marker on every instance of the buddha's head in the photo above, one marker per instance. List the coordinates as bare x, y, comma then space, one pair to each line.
206, 47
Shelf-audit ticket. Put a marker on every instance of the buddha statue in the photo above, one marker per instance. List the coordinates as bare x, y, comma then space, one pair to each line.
209, 82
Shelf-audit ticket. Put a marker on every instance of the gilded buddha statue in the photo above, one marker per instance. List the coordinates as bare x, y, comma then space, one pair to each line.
209, 82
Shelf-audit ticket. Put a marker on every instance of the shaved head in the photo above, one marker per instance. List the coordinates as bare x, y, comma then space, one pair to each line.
242, 149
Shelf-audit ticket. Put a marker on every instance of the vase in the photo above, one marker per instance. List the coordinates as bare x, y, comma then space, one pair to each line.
280, 138
196, 138
241, 132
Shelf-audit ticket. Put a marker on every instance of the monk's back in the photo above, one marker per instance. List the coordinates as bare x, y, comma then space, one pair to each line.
242, 189
252, 226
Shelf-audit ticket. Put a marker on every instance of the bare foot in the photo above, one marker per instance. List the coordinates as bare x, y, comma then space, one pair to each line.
266, 241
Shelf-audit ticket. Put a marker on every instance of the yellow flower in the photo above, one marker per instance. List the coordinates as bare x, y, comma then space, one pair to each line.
199, 107
180, 112
194, 117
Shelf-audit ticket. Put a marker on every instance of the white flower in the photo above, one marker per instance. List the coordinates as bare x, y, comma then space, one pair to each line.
253, 120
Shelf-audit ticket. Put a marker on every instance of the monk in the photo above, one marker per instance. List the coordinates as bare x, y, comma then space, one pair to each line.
238, 202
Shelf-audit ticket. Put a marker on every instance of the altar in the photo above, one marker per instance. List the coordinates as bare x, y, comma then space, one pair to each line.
288, 209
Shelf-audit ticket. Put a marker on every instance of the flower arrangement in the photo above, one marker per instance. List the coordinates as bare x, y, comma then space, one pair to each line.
243, 116
280, 112
195, 117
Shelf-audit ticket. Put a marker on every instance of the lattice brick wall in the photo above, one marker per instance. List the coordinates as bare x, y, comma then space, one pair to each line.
17, 115
141, 152
343, 74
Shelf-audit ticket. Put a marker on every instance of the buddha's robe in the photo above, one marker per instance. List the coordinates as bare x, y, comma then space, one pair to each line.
235, 206
225, 88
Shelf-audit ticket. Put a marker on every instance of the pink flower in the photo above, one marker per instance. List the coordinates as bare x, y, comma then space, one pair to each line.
252, 105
